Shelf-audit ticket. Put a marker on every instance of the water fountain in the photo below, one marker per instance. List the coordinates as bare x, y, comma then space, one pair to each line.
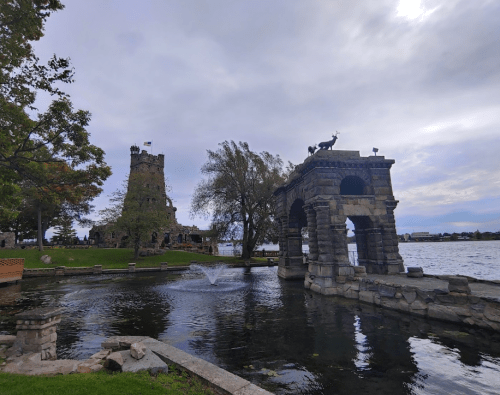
211, 272
213, 280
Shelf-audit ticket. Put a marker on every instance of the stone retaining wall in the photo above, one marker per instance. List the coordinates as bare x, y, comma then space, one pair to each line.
438, 303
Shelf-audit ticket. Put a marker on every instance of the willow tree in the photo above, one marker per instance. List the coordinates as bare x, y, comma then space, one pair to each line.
238, 192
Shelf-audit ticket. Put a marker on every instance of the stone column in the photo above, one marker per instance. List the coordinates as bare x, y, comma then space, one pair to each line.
323, 232
313, 234
283, 232
339, 243
37, 331
375, 251
361, 246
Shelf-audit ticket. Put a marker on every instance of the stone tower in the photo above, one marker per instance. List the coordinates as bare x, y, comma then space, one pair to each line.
325, 190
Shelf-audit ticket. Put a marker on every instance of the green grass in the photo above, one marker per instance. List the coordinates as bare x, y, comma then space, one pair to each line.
176, 382
114, 258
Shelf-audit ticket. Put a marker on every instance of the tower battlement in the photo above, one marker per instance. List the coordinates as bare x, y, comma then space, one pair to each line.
143, 162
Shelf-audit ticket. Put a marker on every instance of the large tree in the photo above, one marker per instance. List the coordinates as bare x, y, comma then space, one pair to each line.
48, 150
137, 211
238, 192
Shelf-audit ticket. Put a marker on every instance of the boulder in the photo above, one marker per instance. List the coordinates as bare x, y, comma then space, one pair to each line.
138, 350
115, 361
46, 259
150, 362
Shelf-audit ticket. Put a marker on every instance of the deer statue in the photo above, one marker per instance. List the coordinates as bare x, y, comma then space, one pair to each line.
312, 149
329, 144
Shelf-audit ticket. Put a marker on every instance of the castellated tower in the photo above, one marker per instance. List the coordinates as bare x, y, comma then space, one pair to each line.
148, 170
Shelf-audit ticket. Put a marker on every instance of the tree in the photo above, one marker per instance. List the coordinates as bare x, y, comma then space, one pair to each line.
137, 211
33, 144
239, 193
64, 232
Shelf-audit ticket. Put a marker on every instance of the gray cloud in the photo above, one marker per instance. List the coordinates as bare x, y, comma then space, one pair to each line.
286, 74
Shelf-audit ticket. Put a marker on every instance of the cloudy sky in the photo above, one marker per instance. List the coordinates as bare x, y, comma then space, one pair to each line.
420, 80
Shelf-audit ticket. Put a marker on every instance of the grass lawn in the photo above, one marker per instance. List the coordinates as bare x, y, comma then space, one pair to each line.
176, 382
113, 258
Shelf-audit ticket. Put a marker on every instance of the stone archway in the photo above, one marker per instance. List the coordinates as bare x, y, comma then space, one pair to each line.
329, 187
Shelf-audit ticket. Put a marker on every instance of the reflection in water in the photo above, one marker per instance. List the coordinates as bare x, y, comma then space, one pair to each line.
271, 332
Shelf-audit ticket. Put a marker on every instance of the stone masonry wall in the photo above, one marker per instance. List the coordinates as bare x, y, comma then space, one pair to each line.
437, 303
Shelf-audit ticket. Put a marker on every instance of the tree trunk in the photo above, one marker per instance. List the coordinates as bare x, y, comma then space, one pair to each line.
39, 231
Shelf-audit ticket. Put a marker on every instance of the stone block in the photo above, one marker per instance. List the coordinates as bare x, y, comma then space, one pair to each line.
492, 312
138, 350
345, 270
111, 343
115, 361
452, 299
366, 296
351, 294
409, 296
426, 296
415, 272
386, 291
7, 339
359, 270
100, 355
463, 289
458, 280
442, 313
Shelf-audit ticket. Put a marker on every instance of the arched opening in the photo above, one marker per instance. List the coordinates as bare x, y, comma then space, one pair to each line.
179, 239
2, 244
154, 237
366, 243
196, 238
166, 238
98, 238
297, 220
352, 185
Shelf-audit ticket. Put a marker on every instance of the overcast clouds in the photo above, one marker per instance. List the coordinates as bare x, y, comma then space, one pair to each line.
418, 80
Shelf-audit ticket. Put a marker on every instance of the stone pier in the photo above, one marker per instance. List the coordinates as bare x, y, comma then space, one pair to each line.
37, 331
320, 195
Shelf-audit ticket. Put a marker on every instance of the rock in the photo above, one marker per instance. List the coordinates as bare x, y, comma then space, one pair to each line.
100, 355
458, 284
415, 272
111, 343
115, 361
150, 362
7, 339
89, 366
46, 259
138, 350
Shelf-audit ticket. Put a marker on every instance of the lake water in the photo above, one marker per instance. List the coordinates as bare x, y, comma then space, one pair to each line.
479, 259
272, 332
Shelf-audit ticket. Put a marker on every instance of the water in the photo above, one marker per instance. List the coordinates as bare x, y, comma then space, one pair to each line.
479, 259
272, 332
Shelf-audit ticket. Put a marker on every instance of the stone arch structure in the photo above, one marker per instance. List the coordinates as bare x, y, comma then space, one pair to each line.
332, 186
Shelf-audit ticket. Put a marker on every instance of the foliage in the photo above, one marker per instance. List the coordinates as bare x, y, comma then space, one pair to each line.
47, 151
238, 192
174, 383
109, 258
138, 211
64, 232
